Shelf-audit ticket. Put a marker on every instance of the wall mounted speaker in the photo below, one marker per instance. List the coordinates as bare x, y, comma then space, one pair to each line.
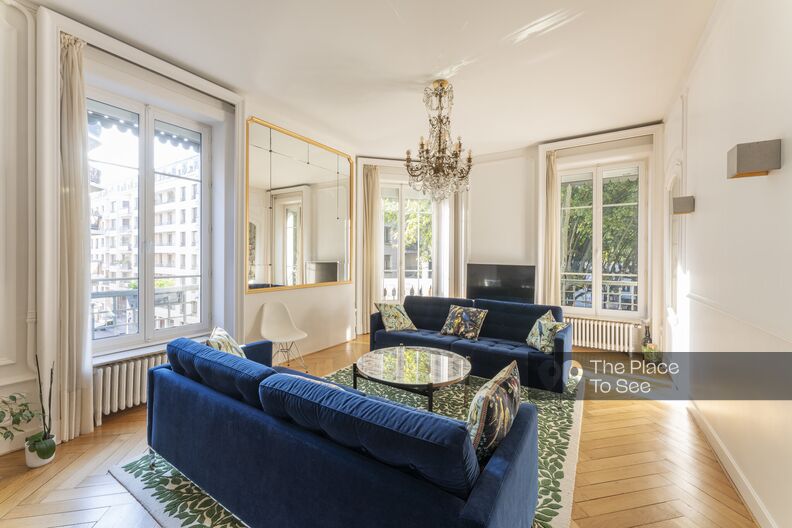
753, 159
683, 204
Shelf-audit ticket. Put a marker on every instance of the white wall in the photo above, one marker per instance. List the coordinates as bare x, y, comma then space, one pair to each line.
326, 313
502, 208
16, 225
736, 243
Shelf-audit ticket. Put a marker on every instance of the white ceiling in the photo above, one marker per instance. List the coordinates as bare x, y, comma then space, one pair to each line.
523, 71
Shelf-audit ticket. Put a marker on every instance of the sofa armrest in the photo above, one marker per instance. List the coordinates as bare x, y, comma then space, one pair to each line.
376, 324
152, 374
506, 491
562, 352
562, 344
259, 351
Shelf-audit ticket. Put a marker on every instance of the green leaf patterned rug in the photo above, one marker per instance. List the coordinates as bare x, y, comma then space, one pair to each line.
174, 501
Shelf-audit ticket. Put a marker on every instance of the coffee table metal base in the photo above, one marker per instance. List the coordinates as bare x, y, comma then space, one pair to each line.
427, 390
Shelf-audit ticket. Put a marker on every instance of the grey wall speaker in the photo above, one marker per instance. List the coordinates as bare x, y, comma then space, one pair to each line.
683, 204
753, 159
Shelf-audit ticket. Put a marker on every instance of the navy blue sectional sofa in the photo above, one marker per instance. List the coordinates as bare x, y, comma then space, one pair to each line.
278, 449
501, 341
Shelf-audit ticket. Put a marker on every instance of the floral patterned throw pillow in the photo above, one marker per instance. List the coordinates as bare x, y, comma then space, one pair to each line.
394, 317
464, 322
222, 341
543, 333
492, 411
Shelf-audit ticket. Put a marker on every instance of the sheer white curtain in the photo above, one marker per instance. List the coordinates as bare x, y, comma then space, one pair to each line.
372, 242
449, 248
73, 364
552, 236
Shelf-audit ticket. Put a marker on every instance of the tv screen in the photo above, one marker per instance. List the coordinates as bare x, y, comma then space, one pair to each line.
501, 282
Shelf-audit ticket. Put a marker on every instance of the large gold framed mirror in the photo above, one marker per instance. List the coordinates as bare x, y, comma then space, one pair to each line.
299, 210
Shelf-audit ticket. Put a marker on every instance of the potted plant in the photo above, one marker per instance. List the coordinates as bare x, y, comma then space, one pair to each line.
651, 353
40, 447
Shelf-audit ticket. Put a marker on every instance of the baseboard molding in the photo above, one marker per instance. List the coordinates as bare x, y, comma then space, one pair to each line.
744, 487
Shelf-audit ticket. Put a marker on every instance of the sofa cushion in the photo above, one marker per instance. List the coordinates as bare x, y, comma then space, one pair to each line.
493, 410
431, 312
507, 347
420, 337
286, 370
221, 340
425, 444
464, 321
394, 317
512, 321
233, 376
489, 355
542, 335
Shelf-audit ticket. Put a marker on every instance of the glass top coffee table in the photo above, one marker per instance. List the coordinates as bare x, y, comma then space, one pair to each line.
420, 370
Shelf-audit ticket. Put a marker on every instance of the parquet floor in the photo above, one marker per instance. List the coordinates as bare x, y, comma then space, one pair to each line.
641, 464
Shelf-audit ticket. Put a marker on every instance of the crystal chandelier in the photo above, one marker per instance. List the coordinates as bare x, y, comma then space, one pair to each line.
440, 170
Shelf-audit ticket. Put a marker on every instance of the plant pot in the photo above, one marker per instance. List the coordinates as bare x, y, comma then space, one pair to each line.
33, 457
652, 354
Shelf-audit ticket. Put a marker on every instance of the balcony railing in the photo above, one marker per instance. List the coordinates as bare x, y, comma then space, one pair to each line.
619, 291
115, 307
417, 284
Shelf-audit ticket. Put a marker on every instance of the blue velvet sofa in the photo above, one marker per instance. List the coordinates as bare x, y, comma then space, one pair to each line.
279, 449
501, 341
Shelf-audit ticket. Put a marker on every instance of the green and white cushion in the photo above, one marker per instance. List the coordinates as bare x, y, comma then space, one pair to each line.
492, 411
394, 317
222, 340
544, 331
464, 322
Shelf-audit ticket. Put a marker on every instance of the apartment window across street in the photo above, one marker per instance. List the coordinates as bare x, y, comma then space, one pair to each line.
602, 240
408, 243
152, 288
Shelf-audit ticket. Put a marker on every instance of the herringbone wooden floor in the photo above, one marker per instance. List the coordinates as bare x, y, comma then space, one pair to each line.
641, 464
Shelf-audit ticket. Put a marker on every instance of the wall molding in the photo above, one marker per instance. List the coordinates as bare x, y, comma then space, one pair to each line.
741, 482
28, 11
723, 310
528, 152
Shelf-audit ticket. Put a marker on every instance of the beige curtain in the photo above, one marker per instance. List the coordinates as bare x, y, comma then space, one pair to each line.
372, 242
551, 273
73, 365
457, 250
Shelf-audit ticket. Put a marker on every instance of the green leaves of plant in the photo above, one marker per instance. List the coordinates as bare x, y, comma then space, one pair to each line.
44, 448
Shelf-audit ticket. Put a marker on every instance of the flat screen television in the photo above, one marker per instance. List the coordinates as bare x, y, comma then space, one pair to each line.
501, 282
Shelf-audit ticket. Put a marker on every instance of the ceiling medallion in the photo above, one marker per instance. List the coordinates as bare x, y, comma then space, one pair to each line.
440, 169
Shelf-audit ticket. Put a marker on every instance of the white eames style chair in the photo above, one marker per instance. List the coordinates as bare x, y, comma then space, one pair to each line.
277, 326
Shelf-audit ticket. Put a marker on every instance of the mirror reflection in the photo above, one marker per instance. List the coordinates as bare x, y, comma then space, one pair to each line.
298, 210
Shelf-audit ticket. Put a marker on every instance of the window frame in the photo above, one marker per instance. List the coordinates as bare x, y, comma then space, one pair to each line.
147, 333
295, 207
597, 170
402, 263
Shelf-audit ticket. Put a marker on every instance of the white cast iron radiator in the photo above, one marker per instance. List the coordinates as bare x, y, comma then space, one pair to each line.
124, 384
617, 336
